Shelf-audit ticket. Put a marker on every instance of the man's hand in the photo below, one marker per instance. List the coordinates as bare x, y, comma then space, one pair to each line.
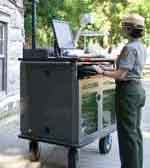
98, 69
107, 67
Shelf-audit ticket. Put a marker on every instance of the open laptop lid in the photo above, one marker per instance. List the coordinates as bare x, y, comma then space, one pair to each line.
63, 34
64, 40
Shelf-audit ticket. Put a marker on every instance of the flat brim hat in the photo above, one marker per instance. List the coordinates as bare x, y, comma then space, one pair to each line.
134, 18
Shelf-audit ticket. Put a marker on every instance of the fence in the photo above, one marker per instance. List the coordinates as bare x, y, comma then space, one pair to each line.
146, 72
9, 106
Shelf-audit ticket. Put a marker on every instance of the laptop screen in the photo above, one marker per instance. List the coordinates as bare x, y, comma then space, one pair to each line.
63, 34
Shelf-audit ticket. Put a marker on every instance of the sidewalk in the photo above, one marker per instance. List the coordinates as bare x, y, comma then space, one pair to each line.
14, 151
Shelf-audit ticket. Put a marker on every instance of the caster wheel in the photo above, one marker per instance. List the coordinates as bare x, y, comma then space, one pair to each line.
105, 144
34, 151
73, 158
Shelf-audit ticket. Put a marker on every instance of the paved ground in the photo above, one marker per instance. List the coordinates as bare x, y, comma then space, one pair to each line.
14, 151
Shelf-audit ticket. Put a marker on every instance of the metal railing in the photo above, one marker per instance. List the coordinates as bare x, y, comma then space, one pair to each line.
146, 72
9, 106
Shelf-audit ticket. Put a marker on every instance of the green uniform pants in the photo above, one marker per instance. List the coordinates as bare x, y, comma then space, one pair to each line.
130, 98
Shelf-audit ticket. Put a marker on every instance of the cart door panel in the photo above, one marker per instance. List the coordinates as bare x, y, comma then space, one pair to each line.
90, 105
108, 118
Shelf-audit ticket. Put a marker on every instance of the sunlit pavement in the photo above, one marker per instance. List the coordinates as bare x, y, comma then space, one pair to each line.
14, 151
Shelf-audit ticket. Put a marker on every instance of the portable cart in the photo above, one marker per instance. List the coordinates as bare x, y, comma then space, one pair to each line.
63, 101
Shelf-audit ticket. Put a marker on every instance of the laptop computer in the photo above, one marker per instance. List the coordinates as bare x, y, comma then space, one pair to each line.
64, 41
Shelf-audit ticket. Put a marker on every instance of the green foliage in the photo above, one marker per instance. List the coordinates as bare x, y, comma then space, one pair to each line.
143, 8
47, 9
107, 14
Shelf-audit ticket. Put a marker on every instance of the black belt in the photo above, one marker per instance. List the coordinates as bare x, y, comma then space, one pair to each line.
127, 82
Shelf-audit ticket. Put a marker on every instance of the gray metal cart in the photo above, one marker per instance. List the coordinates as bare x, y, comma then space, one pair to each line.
63, 102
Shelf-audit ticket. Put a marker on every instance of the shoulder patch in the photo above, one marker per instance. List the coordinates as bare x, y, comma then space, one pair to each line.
124, 53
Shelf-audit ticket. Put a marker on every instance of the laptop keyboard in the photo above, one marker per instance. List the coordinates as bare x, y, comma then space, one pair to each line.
80, 53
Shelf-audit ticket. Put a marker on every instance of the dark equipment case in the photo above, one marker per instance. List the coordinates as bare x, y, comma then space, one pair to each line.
64, 104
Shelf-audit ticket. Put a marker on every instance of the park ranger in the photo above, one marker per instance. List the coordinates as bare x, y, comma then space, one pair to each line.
130, 95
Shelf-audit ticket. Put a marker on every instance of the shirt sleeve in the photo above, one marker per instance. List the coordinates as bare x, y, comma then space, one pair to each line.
127, 58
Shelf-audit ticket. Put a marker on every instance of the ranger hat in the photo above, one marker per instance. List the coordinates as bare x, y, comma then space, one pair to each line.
134, 19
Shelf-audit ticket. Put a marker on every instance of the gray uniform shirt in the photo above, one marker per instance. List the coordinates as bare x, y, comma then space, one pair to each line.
132, 57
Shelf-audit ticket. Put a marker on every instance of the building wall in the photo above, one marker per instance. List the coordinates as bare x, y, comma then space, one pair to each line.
12, 15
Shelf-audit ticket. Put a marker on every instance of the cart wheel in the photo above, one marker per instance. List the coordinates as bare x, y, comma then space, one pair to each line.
34, 151
73, 158
105, 144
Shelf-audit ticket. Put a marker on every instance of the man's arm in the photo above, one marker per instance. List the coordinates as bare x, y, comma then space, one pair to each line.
119, 74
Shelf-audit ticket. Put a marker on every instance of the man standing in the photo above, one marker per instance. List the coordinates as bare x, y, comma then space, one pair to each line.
130, 95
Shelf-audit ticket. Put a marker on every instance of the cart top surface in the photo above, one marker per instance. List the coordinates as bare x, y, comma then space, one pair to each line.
70, 59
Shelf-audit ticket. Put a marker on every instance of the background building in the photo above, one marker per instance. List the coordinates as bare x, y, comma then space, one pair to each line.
11, 44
